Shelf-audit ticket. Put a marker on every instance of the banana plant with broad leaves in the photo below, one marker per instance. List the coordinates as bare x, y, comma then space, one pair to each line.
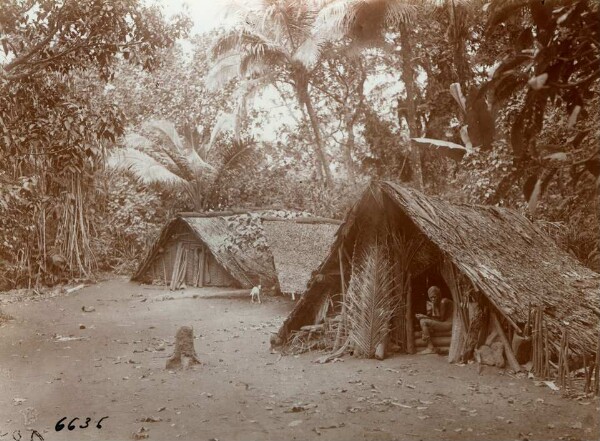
554, 63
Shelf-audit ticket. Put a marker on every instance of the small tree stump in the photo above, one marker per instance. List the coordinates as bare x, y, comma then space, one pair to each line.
184, 348
380, 351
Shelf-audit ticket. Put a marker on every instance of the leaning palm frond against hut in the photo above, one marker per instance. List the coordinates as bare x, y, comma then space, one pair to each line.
370, 300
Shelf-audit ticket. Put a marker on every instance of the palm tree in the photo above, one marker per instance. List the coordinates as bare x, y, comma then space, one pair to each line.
166, 160
272, 42
363, 21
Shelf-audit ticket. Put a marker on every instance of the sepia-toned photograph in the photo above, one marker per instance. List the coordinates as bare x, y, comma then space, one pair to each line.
333, 220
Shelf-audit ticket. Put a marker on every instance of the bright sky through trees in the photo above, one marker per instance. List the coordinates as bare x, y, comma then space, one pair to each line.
206, 14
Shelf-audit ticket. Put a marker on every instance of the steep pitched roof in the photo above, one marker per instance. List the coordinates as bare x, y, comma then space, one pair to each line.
247, 269
506, 256
298, 247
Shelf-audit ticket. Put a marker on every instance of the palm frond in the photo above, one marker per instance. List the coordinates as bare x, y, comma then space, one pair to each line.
229, 42
399, 12
335, 18
243, 40
342, 18
258, 57
191, 166
225, 121
223, 71
167, 130
243, 53
201, 169
270, 17
370, 300
143, 166
137, 141
309, 51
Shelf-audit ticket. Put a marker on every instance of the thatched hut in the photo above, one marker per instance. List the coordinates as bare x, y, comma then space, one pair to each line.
298, 247
495, 265
193, 249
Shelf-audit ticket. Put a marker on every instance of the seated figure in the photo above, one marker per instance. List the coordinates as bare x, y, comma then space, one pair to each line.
438, 319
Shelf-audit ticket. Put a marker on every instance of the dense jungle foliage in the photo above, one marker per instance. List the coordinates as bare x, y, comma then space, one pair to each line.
113, 117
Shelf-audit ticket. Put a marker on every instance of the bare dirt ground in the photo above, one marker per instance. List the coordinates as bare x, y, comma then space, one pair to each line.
115, 367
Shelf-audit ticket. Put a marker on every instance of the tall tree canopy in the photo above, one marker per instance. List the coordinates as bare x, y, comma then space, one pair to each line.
55, 57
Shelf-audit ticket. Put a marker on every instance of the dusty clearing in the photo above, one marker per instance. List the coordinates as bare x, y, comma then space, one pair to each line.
115, 367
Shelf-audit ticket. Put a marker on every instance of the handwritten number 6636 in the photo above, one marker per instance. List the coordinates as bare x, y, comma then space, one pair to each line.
60, 426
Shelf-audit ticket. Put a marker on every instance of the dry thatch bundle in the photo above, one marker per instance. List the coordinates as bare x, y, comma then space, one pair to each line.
370, 300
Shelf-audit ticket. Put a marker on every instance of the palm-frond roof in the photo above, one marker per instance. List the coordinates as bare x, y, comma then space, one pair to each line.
298, 247
248, 270
507, 257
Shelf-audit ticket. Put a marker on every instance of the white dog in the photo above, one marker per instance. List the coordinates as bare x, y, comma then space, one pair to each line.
255, 294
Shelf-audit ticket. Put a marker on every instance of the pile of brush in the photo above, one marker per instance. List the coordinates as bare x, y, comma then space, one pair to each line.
314, 337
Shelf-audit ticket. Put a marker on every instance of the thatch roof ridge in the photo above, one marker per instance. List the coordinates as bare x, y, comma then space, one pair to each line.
303, 220
235, 211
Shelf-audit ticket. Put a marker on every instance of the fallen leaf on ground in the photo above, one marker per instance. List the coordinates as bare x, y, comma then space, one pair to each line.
551, 385
142, 433
333, 426
150, 419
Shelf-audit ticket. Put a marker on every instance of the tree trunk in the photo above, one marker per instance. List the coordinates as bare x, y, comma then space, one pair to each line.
324, 163
458, 16
348, 148
408, 78
478, 318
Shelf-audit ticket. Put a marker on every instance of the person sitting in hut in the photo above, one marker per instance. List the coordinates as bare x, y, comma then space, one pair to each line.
438, 318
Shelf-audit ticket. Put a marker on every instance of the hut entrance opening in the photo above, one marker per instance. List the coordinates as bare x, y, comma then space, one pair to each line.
437, 337
184, 260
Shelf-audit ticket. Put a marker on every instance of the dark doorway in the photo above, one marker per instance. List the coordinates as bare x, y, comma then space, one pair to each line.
421, 283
